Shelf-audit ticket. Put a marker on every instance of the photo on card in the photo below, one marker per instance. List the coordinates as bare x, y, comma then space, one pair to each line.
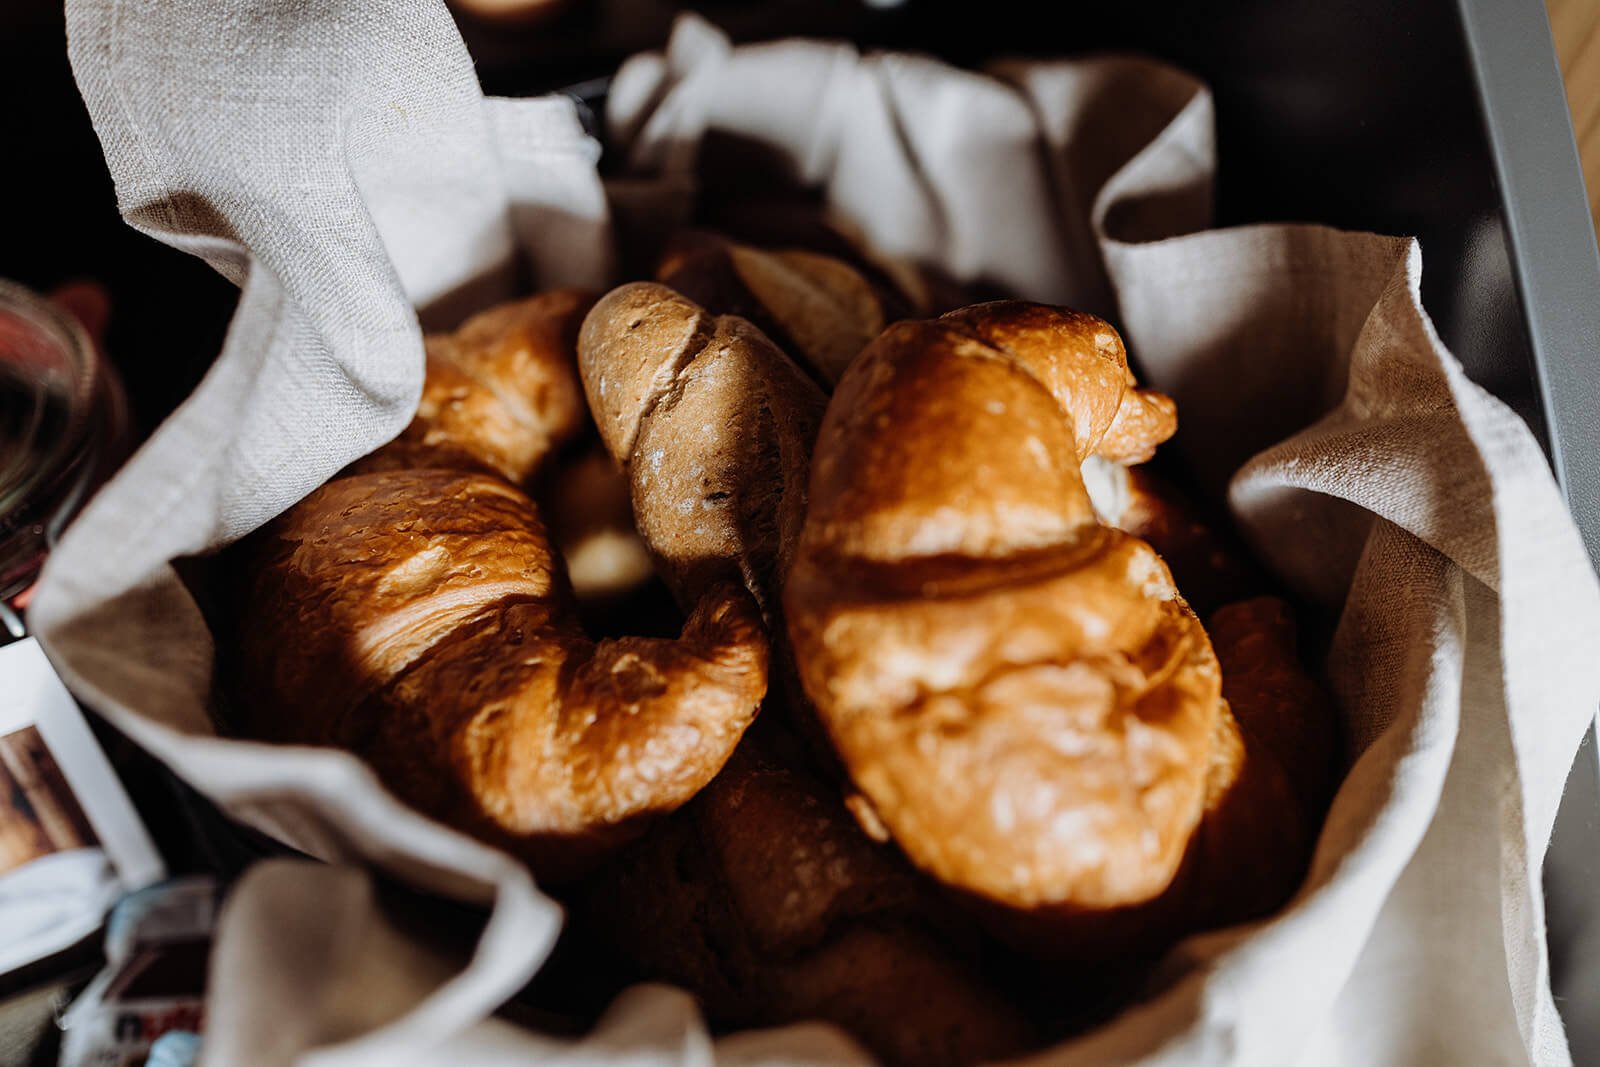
71, 843
39, 814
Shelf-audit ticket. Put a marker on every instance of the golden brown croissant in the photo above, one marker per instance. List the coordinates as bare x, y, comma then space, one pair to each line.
420, 618
764, 898
1020, 692
499, 393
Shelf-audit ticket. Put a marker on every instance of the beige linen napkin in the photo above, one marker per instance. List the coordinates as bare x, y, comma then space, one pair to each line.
341, 163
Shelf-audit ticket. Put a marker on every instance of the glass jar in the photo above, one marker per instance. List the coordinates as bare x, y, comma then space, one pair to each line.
63, 428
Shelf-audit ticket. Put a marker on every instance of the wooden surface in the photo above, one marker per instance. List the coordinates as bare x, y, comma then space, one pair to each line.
1575, 24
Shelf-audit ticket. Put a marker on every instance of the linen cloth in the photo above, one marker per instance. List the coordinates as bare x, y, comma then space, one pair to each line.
340, 162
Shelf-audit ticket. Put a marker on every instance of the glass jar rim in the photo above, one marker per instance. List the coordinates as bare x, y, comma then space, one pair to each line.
48, 459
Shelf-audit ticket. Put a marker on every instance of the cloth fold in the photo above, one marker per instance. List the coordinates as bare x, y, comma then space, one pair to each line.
341, 164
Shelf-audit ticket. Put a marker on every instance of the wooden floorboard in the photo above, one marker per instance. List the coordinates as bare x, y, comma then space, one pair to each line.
1575, 25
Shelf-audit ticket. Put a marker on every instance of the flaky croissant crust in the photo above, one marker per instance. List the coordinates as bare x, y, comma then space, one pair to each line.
1018, 690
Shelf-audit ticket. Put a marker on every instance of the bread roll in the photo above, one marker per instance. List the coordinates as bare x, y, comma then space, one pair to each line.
797, 219
817, 308
713, 426
764, 899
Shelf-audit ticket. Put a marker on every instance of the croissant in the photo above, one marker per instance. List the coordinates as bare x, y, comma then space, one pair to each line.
498, 394
414, 612
1031, 709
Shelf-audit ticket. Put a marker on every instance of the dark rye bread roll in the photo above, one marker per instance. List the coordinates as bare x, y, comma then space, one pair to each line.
764, 898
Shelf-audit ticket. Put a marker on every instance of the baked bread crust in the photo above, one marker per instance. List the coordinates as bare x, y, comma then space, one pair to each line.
815, 307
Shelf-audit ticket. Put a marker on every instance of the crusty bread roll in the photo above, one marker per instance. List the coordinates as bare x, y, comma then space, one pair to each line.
764, 898
415, 613
797, 219
713, 426
1030, 707
817, 308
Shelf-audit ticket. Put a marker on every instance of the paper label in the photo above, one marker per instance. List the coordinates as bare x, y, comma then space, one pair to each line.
153, 984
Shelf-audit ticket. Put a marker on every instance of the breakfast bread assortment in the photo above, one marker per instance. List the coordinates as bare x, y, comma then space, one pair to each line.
998, 733
413, 611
